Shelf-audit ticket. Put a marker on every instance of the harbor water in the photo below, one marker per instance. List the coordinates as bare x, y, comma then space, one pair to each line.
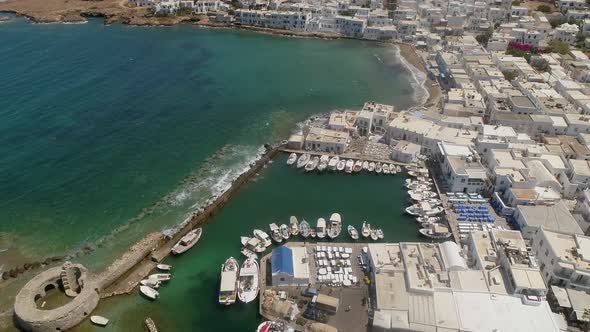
111, 132
189, 301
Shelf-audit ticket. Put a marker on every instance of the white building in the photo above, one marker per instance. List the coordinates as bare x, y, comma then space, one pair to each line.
290, 266
564, 258
461, 169
566, 33
556, 217
326, 140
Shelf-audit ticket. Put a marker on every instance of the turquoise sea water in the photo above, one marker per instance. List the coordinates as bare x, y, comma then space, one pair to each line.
103, 125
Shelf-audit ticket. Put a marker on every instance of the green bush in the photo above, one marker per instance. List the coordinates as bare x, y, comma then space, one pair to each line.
544, 9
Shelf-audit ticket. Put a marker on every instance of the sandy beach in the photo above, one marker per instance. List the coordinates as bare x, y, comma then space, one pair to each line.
413, 57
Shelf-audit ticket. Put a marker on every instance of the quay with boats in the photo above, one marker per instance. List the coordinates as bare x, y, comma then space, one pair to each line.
330, 163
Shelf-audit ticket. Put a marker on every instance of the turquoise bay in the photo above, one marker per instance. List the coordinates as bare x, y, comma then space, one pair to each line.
103, 125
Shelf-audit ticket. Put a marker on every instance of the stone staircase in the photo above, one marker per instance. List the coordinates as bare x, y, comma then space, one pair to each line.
69, 280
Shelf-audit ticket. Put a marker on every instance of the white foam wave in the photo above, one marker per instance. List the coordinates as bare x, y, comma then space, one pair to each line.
418, 78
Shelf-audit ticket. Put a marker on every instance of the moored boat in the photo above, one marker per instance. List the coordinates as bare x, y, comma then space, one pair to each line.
303, 159
323, 163
374, 236
333, 163
436, 231
149, 292
285, 231
354, 234
366, 229
304, 228
341, 165
349, 165
248, 253
262, 236
321, 228
292, 158
99, 320
380, 234
255, 245
365, 165
248, 281
378, 168
294, 224
392, 169
160, 276
385, 168
244, 240
164, 267
312, 164
187, 241
335, 226
229, 276
153, 283
371, 166
358, 166
275, 233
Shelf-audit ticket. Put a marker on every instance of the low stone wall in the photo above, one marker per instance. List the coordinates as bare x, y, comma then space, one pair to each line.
131, 258
30, 318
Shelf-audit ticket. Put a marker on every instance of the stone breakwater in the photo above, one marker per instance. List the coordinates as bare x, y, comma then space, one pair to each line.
122, 276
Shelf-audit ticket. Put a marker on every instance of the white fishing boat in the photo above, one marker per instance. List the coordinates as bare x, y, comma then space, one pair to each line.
262, 236
275, 233
285, 231
434, 201
244, 240
160, 276
354, 234
333, 163
374, 235
99, 320
427, 220
187, 241
349, 166
321, 228
229, 276
303, 159
312, 233
418, 186
420, 195
423, 208
153, 283
392, 169
255, 245
385, 168
365, 165
398, 169
366, 229
436, 231
164, 267
371, 167
248, 253
149, 292
413, 173
312, 164
292, 159
378, 168
380, 234
335, 226
323, 163
358, 166
341, 165
294, 224
248, 286
304, 228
